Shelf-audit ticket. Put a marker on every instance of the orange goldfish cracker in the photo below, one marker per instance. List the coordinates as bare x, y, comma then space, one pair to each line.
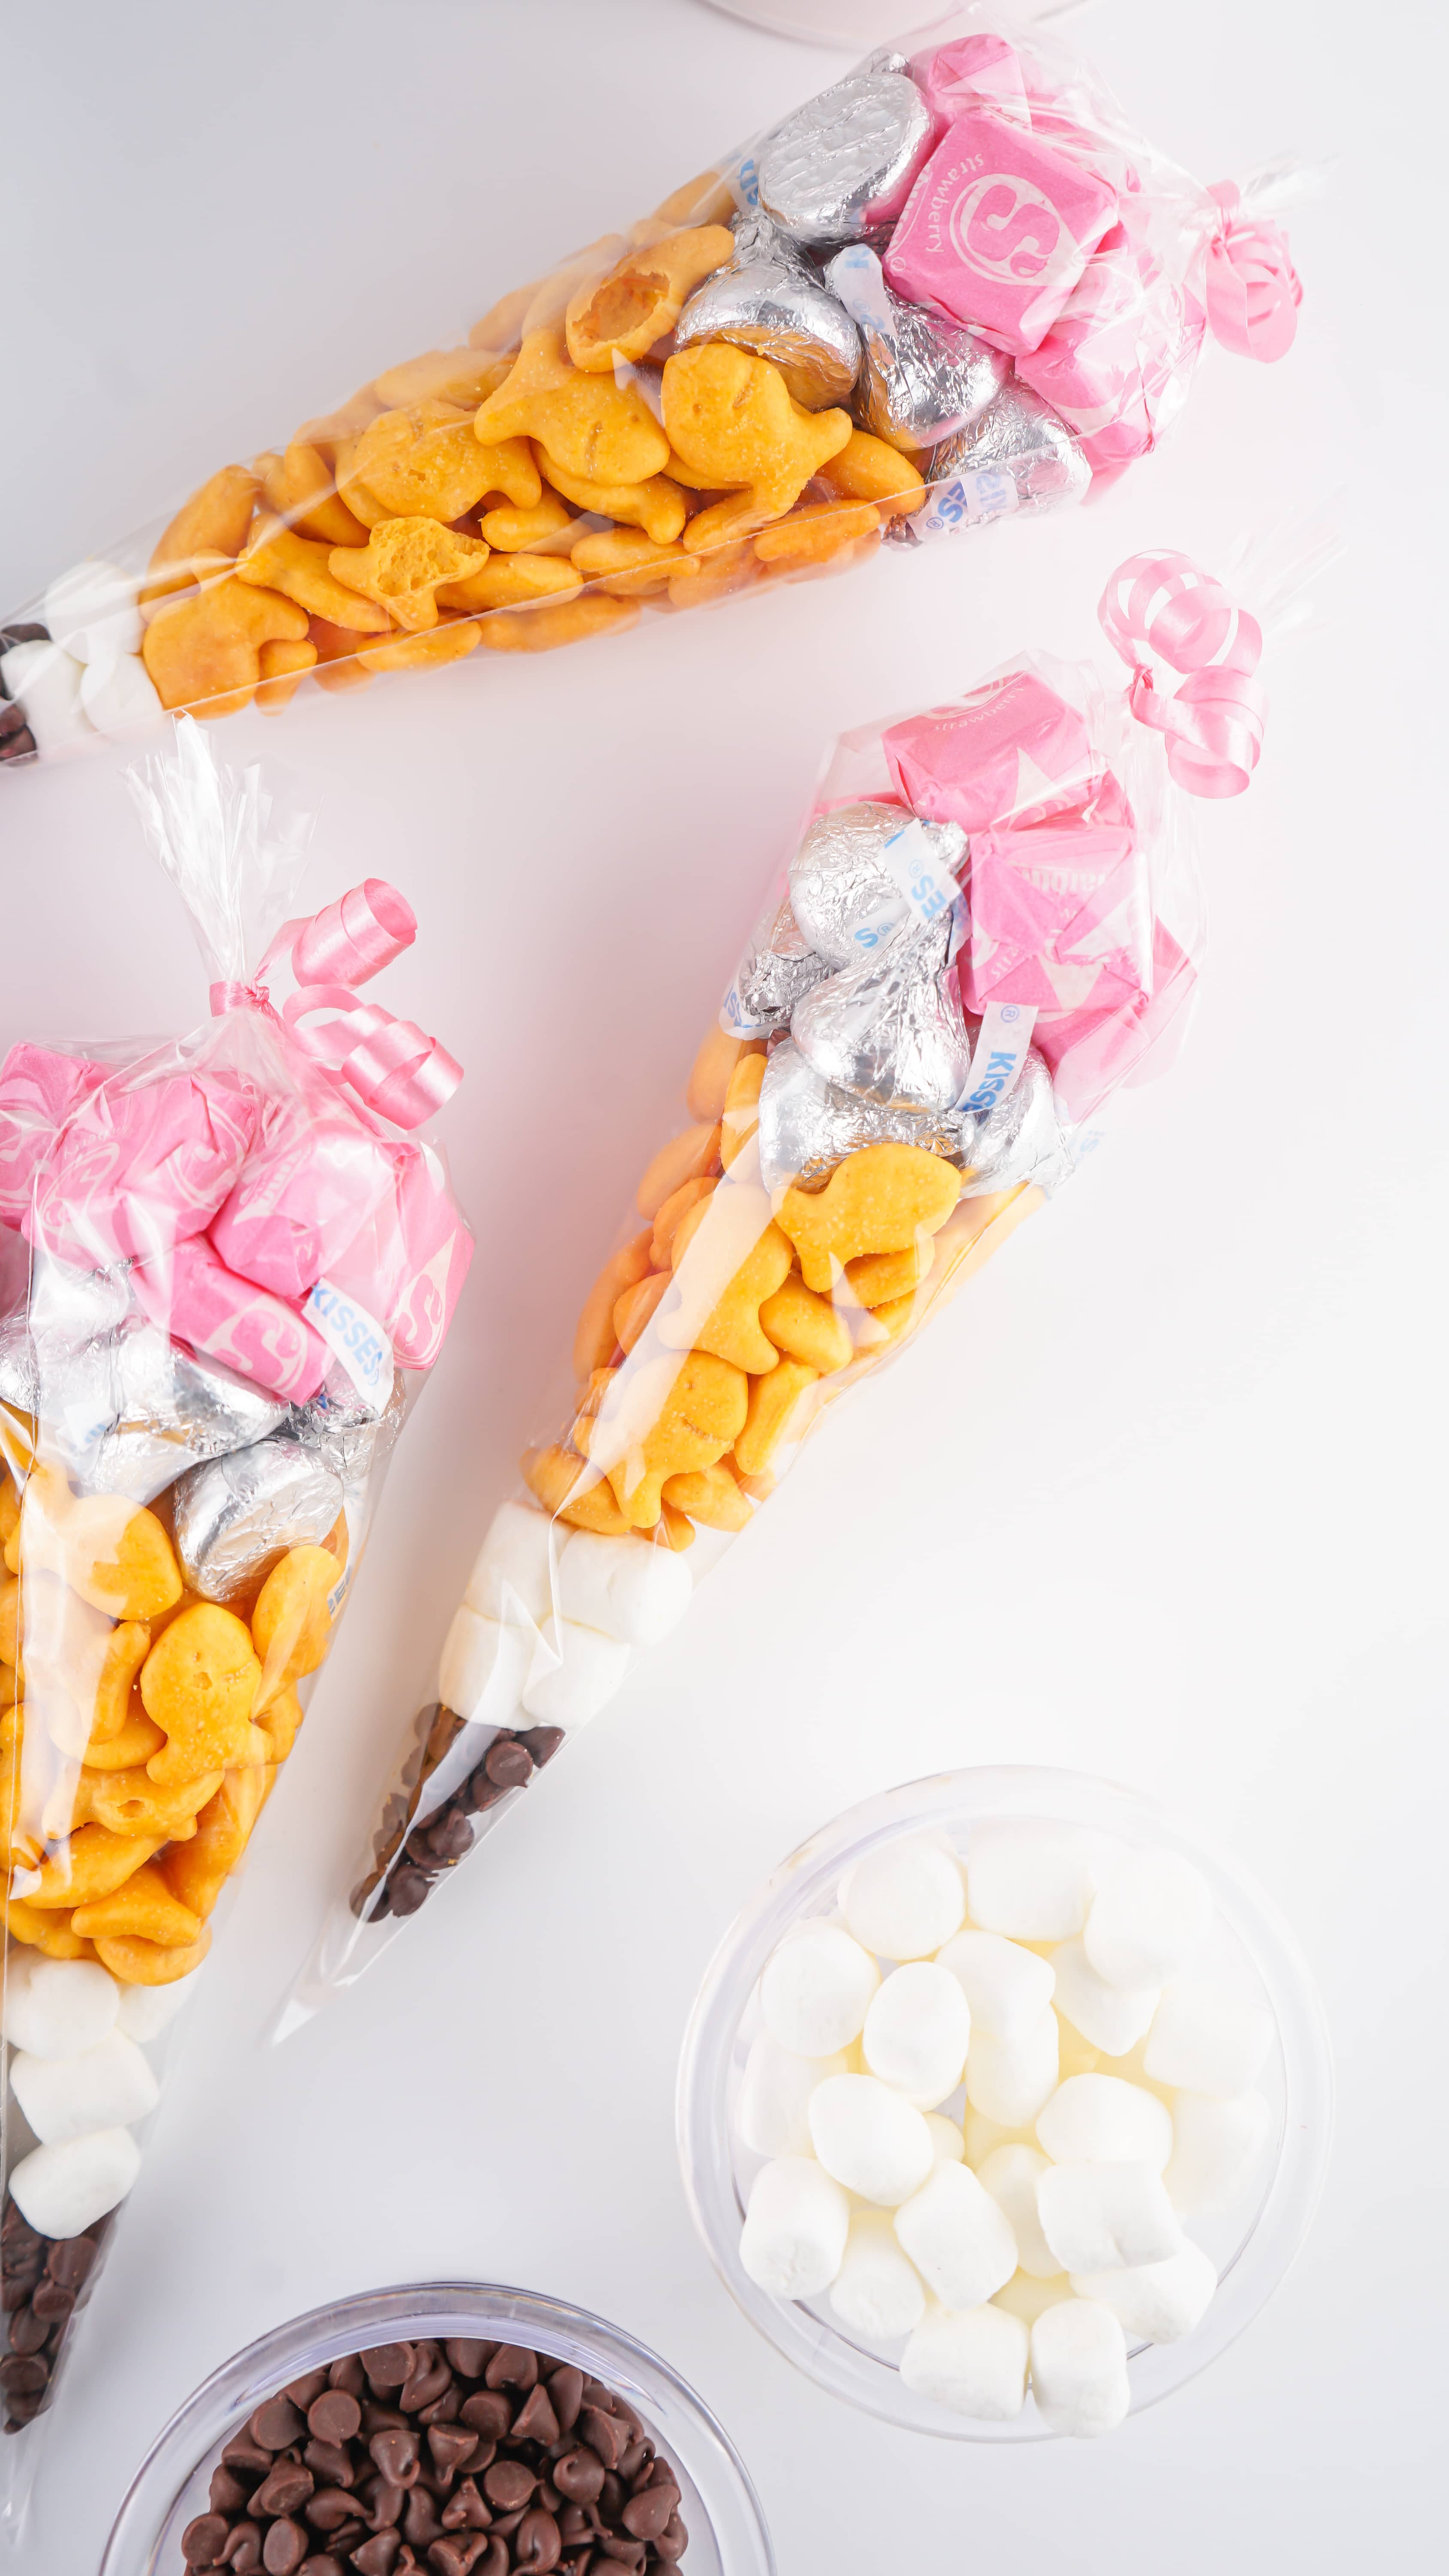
197, 1871
337, 1542
422, 461
689, 1156
284, 667
10, 1620
878, 1277
665, 1417
642, 297
675, 1208
199, 1684
711, 1496
704, 199
132, 1745
359, 503
48, 1932
592, 425
403, 564
279, 1725
510, 581
129, 1802
466, 376
815, 531
449, 642
134, 1962
674, 1528
627, 563
513, 471
337, 646
875, 1201
709, 1080
119, 1558
278, 559
126, 1651
654, 503
144, 1909
718, 573
571, 1490
88, 1864
734, 426
214, 522
552, 294
773, 1418
869, 469
204, 648
594, 1341
730, 1322
515, 531
568, 621
501, 325
331, 429
807, 1327
291, 1624
636, 1307
300, 487
742, 1107
9, 1506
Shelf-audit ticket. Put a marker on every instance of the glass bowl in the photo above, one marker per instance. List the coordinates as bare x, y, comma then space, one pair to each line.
1250, 1947
727, 2534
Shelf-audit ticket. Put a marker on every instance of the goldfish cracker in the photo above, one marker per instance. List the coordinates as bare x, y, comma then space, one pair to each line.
742, 1108
869, 469
719, 572
553, 293
199, 1685
126, 1650
674, 1528
50, 1933
594, 1340
544, 628
807, 1327
212, 524
774, 1413
197, 1871
589, 424
511, 581
449, 642
573, 1491
337, 666
9, 1506
10, 1620
627, 563
423, 461
291, 1624
815, 531
129, 1802
725, 1318
665, 1417
403, 565
734, 426
642, 296
338, 1542
300, 487
278, 559
279, 1724
119, 1558
655, 504
128, 1749
90, 1863
704, 199
203, 649
689, 1156
876, 1278
515, 531
133, 1962
686, 1229
886, 1322
709, 1079
144, 1910
710, 1495
636, 1308
463, 377
513, 471
676, 1207
501, 326
359, 503
284, 667
875, 1201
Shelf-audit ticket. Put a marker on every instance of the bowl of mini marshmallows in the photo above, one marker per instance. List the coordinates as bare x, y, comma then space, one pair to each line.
1005, 2105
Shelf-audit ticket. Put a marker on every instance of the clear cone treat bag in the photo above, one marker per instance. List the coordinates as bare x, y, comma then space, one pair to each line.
954, 286
226, 1263
992, 919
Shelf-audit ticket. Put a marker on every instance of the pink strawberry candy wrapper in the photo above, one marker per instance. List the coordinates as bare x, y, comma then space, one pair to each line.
37, 1088
301, 1199
997, 230
134, 1171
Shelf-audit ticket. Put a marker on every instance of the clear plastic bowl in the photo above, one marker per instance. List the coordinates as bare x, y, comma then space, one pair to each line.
720, 2509
1251, 1947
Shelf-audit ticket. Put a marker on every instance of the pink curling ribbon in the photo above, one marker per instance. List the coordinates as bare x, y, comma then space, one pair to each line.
1253, 292
392, 1065
1213, 725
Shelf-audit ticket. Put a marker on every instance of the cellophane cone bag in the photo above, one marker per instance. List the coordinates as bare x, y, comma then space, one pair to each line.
953, 287
991, 920
226, 1263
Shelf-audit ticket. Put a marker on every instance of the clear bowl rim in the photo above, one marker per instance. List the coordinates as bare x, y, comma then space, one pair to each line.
974, 1793
230, 2393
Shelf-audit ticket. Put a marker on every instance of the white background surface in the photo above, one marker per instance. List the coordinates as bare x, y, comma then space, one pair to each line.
1162, 1495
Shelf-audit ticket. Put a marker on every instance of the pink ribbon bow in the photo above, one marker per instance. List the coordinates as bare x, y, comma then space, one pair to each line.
1213, 724
1253, 292
391, 1064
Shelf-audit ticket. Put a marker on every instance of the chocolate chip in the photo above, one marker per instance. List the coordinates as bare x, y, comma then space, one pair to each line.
454, 2557
284, 2548
488, 2414
426, 2381
396, 2455
375, 2557
203, 2541
449, 2445
508, 1765
604, 2434
334, 2416
226, 2494
348, 2373
243, 2453
469, 2358
385, 2504
508, 2485
420, 2521
647, 2514
513, 2367
28, 2332
542, 1742
329, 2461
538, 2542
387, 2364
407, 1889
579, 2475
672, 2541
566, 2393
329, 2509
243, 2550
288, 2486
302, 2391
276, 2424
536, 2420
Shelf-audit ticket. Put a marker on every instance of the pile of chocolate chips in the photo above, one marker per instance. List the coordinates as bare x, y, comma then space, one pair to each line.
41, 2278
17, 742
400, 1886
454, 2459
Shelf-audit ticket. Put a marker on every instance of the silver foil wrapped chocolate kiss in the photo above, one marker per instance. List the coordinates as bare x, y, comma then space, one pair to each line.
236, 1515
841, 167
777, 969
770, 301
922, 379
891, 1028
843, 895
1022, 437
807, 1127
1019, 1140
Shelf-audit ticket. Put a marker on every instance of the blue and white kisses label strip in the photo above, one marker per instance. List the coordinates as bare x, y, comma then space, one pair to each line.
999, 1055
355, 1338
924, 880
967, 500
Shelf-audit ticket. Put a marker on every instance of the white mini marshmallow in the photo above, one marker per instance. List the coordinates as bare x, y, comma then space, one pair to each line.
816, 1990
774, 2096
1010, 2079
948, 2145
145, 2011
1155, 2302
877, 2291
1112, 2018
512, 1577
870, 2140
483, 1667
623, 1586
795, 2229
1150, 1917
904, 1900
1099, 2120
118, 693
916, 2033
574, 1673
975, 2364
92, 610
1006, 1987
1207, 2040
1032, 1882
1098, 2217
1079, 2368
106, 2087
981, 2137
47, 683
1010, 2175
57, 2007
1028, 2298
958, 2237
64, 2189
1216, 2141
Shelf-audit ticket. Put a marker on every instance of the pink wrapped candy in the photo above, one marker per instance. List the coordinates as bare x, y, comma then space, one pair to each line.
975, 71
302, 1196
1091, 1051
1014, 751
38, 1088
140, 1166
1116, 362
997, 230
195, 1298
407, 1264
1060, 912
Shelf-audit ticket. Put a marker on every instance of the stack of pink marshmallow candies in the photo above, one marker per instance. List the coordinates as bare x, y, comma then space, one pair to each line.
988, 2095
